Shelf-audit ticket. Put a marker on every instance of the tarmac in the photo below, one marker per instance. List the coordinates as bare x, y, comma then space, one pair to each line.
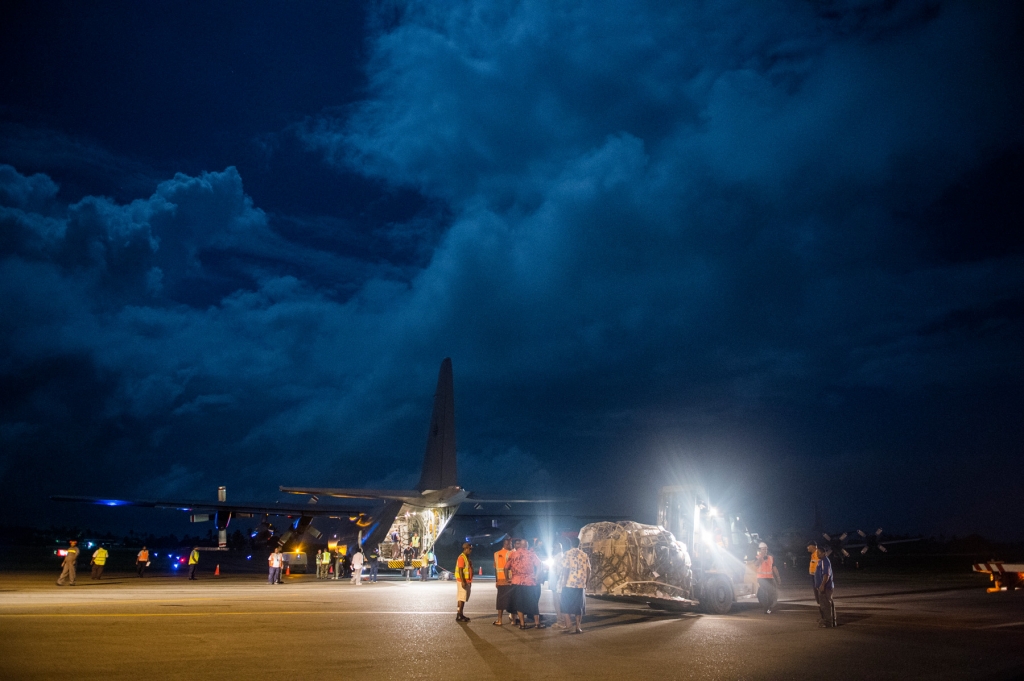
165, 627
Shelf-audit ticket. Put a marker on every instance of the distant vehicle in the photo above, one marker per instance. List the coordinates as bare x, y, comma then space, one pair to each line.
296, 561
1004, 576
696, 556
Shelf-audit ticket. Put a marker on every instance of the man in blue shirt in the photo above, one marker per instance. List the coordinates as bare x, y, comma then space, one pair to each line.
824, 585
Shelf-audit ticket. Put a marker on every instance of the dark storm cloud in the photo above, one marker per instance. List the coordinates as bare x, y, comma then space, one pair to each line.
713, 225
729, 238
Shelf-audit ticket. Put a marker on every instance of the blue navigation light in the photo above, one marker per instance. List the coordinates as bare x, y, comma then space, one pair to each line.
113, 502
175, 566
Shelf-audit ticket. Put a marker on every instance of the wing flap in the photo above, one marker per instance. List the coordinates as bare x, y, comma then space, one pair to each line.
318, 510
408, 495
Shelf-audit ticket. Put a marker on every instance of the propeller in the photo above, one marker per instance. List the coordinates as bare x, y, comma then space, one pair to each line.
835, 544
870, 540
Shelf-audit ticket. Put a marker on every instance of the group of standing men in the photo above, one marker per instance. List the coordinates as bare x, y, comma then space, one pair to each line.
345, 564
519, 574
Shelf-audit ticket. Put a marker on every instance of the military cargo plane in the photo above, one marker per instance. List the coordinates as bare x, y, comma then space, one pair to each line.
372, 516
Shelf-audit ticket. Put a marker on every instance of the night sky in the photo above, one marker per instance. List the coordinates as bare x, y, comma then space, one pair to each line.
773, 247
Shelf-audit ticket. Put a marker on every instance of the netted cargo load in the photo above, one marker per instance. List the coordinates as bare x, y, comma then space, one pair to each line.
630, 559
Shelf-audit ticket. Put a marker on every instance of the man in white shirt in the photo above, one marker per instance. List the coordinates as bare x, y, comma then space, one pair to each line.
276, 560
357, 567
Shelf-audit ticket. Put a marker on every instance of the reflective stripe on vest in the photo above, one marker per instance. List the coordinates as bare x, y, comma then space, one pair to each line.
500, 561
464, 568
764, 568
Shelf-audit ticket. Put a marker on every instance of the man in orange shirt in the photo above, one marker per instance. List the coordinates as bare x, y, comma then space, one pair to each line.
502, 581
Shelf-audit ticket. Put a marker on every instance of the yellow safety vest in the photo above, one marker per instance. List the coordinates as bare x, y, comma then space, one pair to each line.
814, 563
464, 568
193, 558
100, 557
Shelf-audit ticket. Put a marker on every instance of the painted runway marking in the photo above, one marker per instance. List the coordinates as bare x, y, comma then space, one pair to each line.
233, 614
1005, 624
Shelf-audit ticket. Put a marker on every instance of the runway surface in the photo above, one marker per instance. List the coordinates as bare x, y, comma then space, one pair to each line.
896, 627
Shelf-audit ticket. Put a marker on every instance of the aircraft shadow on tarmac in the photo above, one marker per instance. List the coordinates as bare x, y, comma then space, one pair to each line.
910, 592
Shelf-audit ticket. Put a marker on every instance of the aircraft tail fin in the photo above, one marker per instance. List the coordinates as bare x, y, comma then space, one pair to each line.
439, 463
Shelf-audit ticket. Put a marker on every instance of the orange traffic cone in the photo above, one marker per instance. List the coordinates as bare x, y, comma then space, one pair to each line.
216, 573
287, 570
481, 573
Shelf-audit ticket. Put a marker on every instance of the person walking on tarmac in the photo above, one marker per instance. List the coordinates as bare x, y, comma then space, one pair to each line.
408, 555
374, 564
70, 565
824, 584
812, 548
463, 579
193, 562
767, 579
99, 560
142, 561
276, 560
357, 567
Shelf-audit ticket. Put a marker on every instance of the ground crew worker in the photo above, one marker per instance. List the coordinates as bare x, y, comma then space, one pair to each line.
337, 564
99, 560
408, 555
325, 564
824, 583
70, 564
503, 601
767, 579
275, 561
374, 564
463, 579
142, 561
193, 562
812, 548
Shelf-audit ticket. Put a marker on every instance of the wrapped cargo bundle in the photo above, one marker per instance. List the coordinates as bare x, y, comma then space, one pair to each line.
630, 559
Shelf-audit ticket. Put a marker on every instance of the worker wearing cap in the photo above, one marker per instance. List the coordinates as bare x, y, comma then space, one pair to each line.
99, 561
69, 565
463, 580
812, 548
767, 579
824, 585
193, 562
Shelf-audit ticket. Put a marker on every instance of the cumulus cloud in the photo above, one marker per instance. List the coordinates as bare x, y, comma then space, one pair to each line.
711, 208
713, 232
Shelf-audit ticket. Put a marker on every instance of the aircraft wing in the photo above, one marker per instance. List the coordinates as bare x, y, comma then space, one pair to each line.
499, 500
407, 495
193, 506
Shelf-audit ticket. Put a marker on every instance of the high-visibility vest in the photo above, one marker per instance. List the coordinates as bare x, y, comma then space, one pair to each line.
143, 556
814, 563
500, 560
193, 557
764, 568
100, 557
464, 568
